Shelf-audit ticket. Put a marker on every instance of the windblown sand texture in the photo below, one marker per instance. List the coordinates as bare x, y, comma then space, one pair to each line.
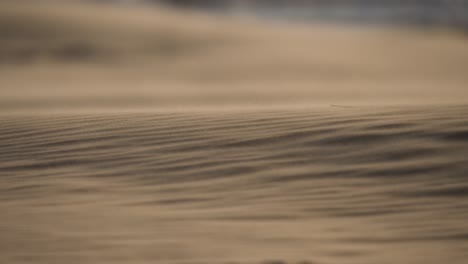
145, 135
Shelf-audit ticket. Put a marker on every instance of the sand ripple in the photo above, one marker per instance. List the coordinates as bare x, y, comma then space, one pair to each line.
325, 185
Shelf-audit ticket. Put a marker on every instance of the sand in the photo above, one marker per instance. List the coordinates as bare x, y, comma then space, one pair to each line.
141, 135
324, 185
83, 57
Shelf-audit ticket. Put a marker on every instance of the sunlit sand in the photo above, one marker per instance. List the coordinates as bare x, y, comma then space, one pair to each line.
149, 135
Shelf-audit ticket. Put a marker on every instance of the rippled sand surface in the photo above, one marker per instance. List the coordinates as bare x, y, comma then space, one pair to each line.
316, 185
135, 135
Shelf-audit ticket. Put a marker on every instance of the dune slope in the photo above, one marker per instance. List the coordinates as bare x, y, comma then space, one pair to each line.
329, 185
109, 57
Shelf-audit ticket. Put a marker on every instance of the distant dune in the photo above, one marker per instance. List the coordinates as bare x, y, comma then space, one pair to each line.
101, 56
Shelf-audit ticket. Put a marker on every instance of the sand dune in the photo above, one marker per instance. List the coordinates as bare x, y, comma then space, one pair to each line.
141, 135
329, 185
86, 57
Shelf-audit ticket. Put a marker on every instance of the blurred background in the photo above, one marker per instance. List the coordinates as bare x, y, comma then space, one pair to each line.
404, 12
128, 54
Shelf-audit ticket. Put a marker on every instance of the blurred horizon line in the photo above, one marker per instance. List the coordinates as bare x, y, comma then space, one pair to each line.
423, 13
